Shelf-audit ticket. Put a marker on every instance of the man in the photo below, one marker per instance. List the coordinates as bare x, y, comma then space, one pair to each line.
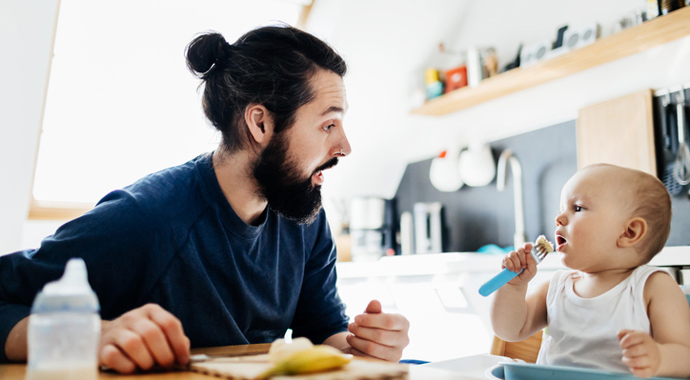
231, 247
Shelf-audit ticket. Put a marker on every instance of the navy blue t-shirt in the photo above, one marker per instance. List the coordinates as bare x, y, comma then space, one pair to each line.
172, 239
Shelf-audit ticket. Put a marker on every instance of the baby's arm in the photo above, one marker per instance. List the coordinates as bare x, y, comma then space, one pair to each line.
666, 352
514, 316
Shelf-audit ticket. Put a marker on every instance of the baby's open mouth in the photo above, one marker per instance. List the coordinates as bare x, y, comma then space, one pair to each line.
560, 242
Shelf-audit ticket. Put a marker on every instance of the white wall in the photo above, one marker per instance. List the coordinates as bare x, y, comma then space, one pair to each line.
386, 43
26, 33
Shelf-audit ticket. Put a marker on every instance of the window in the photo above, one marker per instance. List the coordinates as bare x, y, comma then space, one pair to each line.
121, 102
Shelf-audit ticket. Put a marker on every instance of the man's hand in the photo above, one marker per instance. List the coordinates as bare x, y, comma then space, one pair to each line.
640, 352
142, 338
378, 335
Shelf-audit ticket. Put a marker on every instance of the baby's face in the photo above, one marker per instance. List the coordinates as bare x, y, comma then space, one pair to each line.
593, 213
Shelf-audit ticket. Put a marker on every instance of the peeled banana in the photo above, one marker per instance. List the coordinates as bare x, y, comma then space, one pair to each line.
281, 349
300, 357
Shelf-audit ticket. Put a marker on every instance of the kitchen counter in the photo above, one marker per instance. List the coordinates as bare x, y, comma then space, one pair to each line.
471, 262
438, 293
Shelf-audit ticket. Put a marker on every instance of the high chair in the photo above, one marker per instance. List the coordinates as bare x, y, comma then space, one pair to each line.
526, 350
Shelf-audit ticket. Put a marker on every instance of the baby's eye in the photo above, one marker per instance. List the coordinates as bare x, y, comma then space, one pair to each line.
578, 208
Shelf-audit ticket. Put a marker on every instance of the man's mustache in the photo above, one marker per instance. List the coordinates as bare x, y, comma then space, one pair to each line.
329, 164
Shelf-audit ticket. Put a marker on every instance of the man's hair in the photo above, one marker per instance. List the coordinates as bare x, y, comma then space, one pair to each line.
269, 65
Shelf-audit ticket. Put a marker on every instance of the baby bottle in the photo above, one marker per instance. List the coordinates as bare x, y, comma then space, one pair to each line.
64, 328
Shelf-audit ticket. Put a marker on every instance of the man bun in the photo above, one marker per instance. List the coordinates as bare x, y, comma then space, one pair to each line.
206, 52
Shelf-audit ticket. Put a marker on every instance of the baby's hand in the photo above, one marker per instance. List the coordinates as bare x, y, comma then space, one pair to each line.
518, 260
640, 352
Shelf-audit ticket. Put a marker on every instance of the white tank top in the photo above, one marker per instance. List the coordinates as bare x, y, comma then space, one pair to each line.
582, 332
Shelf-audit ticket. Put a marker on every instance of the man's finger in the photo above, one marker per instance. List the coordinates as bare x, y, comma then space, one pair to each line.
393, 322
132, 345
360, 354
375, 335
172, 328
111, 357
374, 307
367, 347
156, 342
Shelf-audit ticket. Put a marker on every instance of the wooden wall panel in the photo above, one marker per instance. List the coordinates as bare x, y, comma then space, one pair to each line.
619, 132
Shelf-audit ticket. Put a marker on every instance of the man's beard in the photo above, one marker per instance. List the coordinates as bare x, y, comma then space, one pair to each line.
287, 192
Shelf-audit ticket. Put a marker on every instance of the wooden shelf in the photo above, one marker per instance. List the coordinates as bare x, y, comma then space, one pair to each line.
630, 41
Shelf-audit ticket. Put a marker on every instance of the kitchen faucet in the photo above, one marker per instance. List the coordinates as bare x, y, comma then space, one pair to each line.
506, 157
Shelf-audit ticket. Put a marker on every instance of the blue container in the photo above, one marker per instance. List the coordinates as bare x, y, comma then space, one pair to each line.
528, 371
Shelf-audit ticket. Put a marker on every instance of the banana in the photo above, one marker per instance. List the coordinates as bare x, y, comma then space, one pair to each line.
318, 358
281, 349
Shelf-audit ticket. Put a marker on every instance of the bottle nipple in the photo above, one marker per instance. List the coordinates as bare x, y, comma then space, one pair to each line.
74, 280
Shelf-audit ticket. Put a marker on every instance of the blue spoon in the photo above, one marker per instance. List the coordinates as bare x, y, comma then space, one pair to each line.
542, 246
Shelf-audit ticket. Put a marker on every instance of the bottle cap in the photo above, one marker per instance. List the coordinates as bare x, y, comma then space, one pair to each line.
71, 292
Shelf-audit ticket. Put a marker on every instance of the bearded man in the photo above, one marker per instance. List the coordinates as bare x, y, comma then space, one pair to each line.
232, 247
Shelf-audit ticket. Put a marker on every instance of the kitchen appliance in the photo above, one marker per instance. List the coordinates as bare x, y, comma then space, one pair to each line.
668, 145
667, 138
681, 168
372, 228
428, 235
407, 234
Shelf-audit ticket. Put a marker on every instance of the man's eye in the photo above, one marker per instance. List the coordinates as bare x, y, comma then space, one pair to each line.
328, 127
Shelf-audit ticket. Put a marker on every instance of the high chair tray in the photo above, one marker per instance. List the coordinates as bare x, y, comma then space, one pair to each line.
528, 371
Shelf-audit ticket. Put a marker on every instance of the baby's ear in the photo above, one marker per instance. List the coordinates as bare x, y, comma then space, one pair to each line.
635, 230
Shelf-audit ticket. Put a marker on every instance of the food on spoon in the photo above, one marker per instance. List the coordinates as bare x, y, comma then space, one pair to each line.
543, 246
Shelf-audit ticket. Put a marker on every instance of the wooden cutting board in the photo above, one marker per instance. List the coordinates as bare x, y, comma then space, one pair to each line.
250, 367
619, 132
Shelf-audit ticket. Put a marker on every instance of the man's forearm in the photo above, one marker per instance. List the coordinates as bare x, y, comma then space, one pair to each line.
16, 343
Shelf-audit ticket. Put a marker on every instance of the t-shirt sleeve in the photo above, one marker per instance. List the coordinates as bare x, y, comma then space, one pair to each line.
113, 240
320, 312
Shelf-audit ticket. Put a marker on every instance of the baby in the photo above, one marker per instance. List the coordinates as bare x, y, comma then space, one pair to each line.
611, 311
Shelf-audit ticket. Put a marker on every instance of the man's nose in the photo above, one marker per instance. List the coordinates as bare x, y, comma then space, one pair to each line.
344, 148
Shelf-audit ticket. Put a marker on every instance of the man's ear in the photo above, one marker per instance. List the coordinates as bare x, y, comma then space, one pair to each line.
259, 122
635, 230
